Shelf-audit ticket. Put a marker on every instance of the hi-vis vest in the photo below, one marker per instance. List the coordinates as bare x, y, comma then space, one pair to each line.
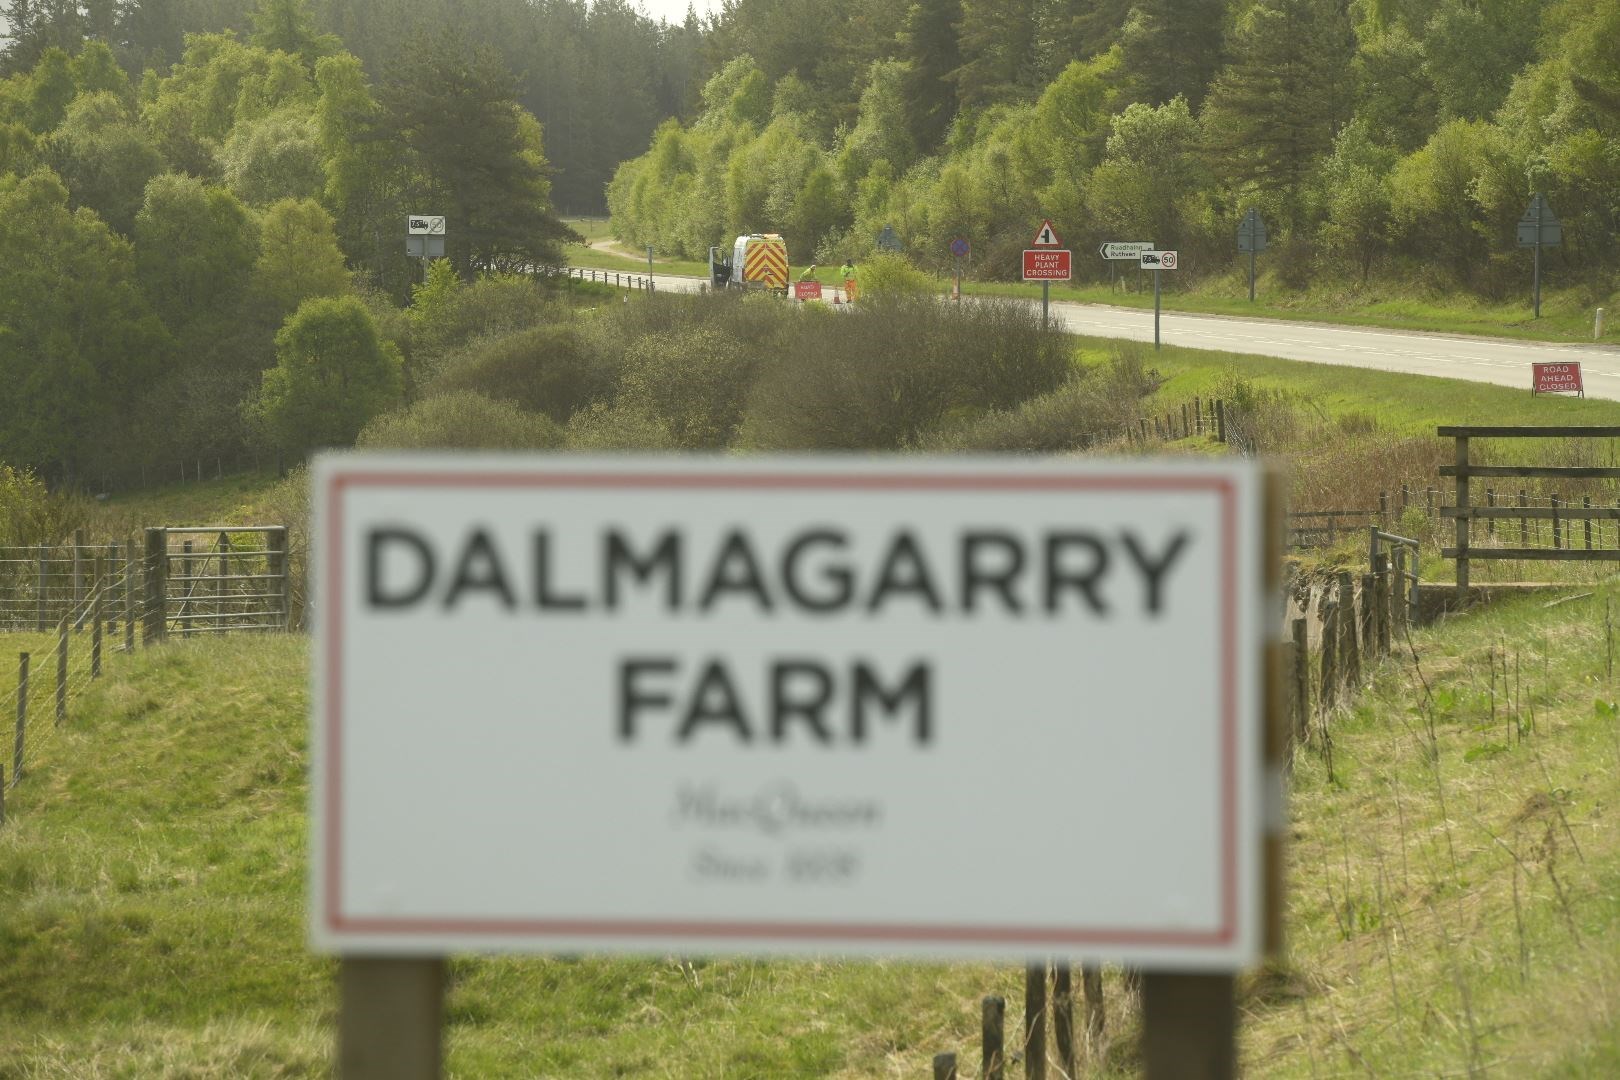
761, 259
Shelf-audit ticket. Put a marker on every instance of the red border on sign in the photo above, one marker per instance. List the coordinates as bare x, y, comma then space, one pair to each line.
986, 934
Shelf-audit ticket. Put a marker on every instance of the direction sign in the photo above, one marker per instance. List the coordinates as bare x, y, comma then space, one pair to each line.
730, 705
424, 225
1251, 234
1043, 264
1539, 225
1131, 250
1158, 260
959, 247
1045, 236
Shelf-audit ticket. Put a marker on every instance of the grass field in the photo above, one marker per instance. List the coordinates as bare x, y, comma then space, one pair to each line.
1566, 315
1454, 898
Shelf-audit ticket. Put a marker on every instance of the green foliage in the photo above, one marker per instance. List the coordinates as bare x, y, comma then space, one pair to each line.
298, 257
1091, 408
545, 369
104, 158
461, 421
195, 246
333, 374
841, 385
31, 514
892, 275
76, 335
276, 156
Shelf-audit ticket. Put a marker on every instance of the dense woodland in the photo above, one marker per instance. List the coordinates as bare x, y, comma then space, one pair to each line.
201, 201
1400, 138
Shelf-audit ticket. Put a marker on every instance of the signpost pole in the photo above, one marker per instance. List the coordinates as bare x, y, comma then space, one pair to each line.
1538, 260
390, 1018
1251, 273
1155, 308
1046, 301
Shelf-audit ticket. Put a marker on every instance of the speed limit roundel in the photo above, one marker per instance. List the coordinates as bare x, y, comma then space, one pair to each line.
1168, 260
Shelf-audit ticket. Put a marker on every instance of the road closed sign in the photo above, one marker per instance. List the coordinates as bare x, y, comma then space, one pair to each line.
1562, 378
788, 705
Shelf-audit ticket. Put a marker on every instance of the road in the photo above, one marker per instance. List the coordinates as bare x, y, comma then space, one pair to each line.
1501, 361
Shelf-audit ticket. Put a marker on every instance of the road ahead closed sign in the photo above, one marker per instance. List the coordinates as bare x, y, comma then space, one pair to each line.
710, 705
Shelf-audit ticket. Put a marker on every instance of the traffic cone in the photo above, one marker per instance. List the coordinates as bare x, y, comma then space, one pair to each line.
836, 299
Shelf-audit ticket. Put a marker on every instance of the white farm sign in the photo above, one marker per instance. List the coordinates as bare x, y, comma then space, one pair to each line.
779, 705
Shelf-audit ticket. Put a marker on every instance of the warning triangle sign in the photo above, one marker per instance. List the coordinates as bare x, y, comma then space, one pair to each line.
1046, 236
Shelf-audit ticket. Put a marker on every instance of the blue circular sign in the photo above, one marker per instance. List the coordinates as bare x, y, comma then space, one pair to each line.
959, 247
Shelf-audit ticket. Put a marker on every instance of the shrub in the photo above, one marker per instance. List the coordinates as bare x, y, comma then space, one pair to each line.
892, 275
1088, 409
603, 427
461, 421
549, 369
694, 380
878, 376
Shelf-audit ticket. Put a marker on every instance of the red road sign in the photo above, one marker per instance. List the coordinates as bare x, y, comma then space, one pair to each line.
1042, 264
1557, 379
1046, 236
807, 290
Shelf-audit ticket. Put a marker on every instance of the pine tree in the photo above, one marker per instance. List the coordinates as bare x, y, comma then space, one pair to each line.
1172, 47
929, 48
998, 42
1274, 111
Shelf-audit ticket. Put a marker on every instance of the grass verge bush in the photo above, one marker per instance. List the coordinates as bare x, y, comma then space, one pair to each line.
461, 421
1088, 409
548, 369
878, 376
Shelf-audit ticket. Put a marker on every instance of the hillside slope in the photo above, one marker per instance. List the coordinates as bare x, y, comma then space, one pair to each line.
1454, 897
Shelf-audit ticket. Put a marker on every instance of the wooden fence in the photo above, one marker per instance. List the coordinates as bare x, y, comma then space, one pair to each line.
1561, 513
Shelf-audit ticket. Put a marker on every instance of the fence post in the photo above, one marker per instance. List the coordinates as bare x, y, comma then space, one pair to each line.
1220, 420
1381, 592
17, 744
276, 541
1383, 510
1524, 522
95, 632
1035, 1020
1369, 618
41, 620
1063, 1015
1490, 522
1198, 414
1349, 656
185, 610
1330, 655
156, 618
221, 607
1091, 988
1186, 428
61, 670
78, 579
1189, 1026
1463, 523
993, 1014
1557, 525
1302, 679
110, 562
944, 1067
129, 596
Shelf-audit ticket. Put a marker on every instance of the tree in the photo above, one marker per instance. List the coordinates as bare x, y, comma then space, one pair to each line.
298, 257
276, 157
287, 26
76, 336
998, 43
333, 373
1275, 110
105, 158
1171, 48
195, 246
479, 154
928, 46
